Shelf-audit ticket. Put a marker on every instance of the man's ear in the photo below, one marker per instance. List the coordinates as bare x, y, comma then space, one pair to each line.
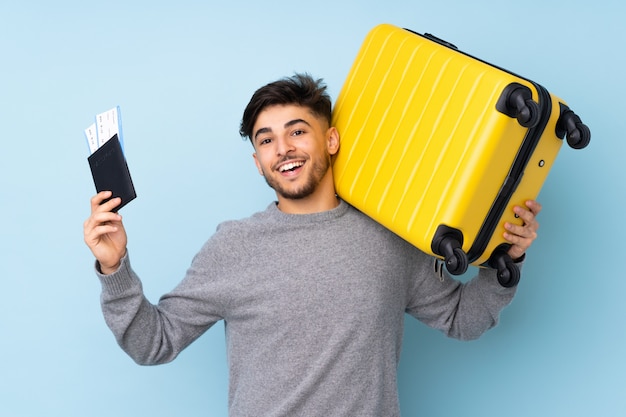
257, 163
332, 142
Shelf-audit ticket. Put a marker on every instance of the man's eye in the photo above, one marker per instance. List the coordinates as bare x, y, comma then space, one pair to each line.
265, 141
297, 132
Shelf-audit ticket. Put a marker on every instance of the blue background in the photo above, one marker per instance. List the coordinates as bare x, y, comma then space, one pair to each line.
182, 73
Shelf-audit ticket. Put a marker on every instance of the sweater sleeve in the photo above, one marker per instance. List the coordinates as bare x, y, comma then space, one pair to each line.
461, 310
150, 334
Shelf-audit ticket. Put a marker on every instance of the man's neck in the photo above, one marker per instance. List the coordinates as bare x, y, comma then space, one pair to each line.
322, 199
308, 205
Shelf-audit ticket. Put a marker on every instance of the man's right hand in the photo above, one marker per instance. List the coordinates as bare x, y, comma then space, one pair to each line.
104, 232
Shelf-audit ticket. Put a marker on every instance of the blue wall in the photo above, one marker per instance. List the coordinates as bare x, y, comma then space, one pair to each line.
182, 73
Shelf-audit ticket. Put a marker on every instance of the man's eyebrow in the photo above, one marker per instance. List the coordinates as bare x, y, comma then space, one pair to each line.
290, 123
295, 122
262, 131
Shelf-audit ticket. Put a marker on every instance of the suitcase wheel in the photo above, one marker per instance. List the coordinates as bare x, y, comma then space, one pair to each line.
516, 101
448, 243
456, 262
509, 276
570, 125
507, 272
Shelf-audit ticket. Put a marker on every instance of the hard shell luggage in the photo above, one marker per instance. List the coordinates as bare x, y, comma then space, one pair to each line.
438, 146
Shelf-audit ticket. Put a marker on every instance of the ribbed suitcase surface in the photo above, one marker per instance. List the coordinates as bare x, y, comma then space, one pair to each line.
423, 144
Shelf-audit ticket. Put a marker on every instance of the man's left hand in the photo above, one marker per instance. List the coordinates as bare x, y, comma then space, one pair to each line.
522, 236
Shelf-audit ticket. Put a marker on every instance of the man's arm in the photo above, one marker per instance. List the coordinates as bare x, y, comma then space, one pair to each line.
466, 310
150, 334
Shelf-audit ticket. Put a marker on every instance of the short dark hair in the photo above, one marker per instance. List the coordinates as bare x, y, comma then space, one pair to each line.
300, 89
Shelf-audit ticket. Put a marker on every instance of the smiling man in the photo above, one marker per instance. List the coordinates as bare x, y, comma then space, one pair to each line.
293, 149
313, 293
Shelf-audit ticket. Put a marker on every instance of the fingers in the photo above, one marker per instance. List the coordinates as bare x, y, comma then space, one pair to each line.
102, 220
529, 214
98, 205
100, 224
101, 212
528, 217
104, 232
522, 236
534, 206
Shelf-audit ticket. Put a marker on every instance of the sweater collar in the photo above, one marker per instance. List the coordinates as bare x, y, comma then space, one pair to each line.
327, 215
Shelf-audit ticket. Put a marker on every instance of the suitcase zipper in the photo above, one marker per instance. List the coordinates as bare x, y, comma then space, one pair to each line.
513, 178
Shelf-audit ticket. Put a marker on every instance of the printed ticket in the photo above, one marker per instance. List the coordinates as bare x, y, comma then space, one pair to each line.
92, 138
107, 124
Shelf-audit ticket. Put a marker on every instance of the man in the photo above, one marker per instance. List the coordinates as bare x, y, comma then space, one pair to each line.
312, 292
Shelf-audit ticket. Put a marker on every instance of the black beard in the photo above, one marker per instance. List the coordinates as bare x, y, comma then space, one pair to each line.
319, 170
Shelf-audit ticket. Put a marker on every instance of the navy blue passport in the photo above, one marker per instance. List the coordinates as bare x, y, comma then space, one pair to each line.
110, 172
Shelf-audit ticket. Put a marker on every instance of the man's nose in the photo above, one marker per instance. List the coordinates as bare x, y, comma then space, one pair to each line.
284, 146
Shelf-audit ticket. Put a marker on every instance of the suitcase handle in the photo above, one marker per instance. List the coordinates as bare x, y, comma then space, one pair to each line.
433, 38
440, 41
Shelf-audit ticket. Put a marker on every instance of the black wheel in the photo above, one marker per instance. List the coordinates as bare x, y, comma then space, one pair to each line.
509, 276
516, 101
507, 272
457, 264
580, 137
528, 115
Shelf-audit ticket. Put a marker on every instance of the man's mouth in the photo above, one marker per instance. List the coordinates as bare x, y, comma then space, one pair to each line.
290, 166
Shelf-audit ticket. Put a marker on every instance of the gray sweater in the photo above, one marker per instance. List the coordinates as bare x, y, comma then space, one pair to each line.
313, 307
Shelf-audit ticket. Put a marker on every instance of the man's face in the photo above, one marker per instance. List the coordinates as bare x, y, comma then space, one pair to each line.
293, 149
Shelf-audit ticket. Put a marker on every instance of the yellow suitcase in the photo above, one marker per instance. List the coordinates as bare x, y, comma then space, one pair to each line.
438, 146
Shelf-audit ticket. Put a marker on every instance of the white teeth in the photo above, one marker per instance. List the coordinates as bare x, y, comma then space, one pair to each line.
290, 165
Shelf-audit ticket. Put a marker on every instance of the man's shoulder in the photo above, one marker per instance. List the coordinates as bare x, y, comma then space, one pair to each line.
259, 218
